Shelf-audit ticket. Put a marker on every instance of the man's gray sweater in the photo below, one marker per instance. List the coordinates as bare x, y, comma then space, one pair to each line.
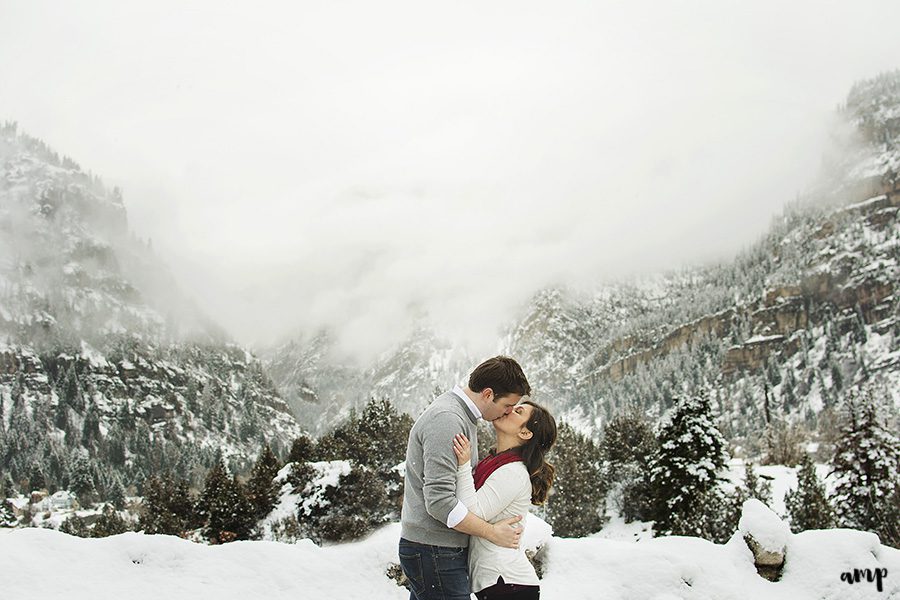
429, 493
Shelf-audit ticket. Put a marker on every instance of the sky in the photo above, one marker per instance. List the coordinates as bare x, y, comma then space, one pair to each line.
357, 165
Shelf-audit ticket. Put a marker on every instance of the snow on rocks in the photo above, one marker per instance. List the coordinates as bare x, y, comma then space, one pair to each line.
767, 537
764, 526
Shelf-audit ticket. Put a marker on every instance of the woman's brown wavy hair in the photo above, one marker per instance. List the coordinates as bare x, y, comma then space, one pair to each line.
542, 426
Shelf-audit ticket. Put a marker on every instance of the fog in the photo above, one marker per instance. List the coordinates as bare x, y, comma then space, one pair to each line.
360, 165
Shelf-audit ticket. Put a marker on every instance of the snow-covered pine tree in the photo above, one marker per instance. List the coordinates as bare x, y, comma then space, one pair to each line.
226, 512
808, 505
116, 492
109, 523
7, 515
866, 464
683, 472
387, 432
81, 479
577, 500
358, 504
262, 491
375, 437
77, 526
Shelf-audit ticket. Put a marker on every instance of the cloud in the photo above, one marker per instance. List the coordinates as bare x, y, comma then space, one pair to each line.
351, 164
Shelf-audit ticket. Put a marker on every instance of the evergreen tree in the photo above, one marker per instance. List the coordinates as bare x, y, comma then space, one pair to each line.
683, 472
302, 449
70, 392
61, 416
7, 515
577, 500
353, 508
7, 487
754, 487
115, 493
167, 506
81, 480
116, 447
90, 430
808, 505
376, 437
627, 439
191, 396
224, 507
866, 464
627, 445
300, 475
36, 480
262, 491
109, 523
783, 443
75, 525
249, 425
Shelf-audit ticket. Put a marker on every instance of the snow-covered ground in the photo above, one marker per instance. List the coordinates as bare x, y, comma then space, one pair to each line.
41, 563
621, 562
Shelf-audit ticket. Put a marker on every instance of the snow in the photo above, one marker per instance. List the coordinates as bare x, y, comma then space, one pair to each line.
865, 203
782, 479
537, 533
617, 529
328, 474
759, 522
96, 359
761, 339
132, 565
45, 563
290, 502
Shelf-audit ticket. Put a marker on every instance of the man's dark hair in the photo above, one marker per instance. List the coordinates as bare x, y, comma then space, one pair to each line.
502, 374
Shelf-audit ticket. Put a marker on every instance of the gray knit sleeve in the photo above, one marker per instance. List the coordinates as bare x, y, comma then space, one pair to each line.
440, 464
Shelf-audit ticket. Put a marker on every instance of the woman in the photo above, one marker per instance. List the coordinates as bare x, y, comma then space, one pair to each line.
505, 483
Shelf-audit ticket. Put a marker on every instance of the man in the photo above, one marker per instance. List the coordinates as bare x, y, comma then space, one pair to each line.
435, 525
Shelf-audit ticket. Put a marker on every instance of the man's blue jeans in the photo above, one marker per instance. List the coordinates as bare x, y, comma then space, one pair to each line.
435, 572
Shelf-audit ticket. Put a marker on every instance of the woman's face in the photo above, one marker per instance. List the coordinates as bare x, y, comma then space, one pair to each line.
515, 422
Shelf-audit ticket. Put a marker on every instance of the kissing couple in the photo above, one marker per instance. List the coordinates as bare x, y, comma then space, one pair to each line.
461, 529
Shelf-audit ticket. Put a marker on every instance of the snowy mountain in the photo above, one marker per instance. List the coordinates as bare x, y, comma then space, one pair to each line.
322, 390
783, 331
104, 364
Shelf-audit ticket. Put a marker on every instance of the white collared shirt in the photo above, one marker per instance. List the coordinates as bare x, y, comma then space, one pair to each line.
465, 398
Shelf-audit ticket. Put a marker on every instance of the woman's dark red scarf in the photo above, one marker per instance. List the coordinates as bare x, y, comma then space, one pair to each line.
491, 463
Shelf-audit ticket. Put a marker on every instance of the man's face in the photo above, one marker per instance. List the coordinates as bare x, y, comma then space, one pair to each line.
500, 406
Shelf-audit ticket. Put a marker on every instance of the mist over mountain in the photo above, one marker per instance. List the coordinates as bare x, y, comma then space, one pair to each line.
107, 366
107, 371
781, 334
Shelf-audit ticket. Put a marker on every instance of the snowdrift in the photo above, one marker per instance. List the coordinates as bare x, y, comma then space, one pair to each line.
40, 563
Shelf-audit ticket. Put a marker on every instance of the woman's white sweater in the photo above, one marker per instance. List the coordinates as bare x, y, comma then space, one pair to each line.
506, 493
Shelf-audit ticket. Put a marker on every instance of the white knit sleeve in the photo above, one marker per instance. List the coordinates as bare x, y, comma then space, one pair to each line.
499, 491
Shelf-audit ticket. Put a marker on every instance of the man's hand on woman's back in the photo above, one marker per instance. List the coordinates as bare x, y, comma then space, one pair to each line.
508, 532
